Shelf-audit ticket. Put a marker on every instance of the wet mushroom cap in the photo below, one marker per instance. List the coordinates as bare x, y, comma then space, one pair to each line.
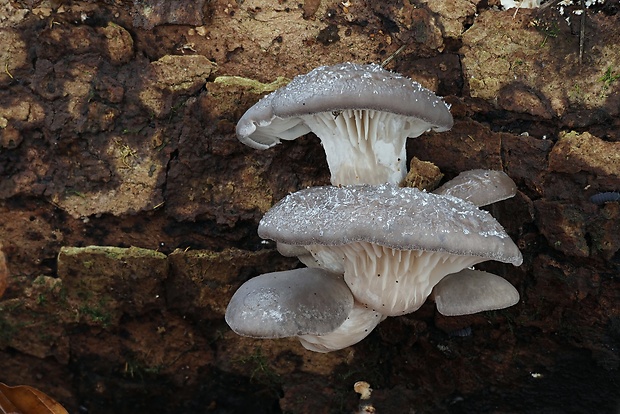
481, 187
297, 302
363, 115
472, 291
392, 244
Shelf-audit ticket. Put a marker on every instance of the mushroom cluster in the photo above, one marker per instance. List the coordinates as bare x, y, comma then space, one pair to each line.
372, 249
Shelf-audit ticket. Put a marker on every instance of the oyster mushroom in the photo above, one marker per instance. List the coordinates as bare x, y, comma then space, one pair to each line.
312, 304
481, 187
392, 244
472, 291
362, 114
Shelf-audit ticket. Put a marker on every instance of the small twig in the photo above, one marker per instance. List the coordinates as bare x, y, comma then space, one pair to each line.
393, 55
6, 69
548, 4
582, 31
517, 10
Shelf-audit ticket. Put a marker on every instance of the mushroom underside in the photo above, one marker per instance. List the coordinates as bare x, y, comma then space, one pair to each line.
267, 134
365, 146
358, 325
390, 281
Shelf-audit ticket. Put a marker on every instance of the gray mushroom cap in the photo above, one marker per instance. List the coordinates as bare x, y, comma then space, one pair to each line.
297, 302
335, 88
481, 187
472, 291
386, 215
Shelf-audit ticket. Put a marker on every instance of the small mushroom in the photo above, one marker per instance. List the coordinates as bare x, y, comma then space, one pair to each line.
312, 304
296, 302
392, 244
472, 291
362, 114
481, 187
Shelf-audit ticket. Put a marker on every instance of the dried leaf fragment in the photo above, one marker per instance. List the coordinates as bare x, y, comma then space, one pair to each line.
23, 399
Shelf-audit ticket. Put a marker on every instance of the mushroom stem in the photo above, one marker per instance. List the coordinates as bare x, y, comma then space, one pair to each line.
364, 146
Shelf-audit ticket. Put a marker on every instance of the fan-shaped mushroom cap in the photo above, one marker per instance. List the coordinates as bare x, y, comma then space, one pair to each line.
297, 302
480, 187
471, 291
392, 244
363, 115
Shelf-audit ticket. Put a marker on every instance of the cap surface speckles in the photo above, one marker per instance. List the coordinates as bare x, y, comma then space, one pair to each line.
354, 86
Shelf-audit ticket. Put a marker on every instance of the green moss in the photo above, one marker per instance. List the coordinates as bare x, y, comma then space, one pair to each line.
137, 369
260, 368
41, 299
7, 329
252, 85
96, 313
111, 252
548, 29
608, 78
